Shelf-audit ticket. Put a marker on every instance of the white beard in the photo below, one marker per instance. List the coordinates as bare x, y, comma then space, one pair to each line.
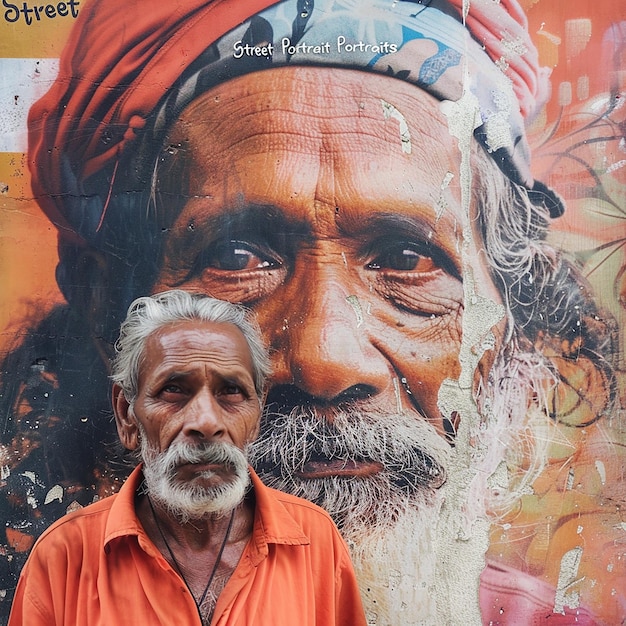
396, 568
186, 500
418, 555
424, 568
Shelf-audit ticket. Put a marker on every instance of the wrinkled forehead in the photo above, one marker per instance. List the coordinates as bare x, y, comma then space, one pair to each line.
179, 345
298, 108
321, 150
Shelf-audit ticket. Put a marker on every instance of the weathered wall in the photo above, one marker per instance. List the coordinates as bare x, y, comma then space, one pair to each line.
531, 414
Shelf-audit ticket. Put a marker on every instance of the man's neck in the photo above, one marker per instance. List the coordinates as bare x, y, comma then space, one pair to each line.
205, 551
201, 534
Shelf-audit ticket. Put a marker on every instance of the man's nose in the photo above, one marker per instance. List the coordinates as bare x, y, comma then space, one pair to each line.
325, 345
203, 419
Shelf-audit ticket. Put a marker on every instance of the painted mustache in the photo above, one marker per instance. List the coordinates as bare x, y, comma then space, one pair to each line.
308, 445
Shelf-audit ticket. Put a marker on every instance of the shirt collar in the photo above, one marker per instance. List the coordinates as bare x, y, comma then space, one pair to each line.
123, 520
272, 521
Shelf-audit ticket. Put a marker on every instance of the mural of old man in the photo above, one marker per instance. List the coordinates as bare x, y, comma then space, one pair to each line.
359, 175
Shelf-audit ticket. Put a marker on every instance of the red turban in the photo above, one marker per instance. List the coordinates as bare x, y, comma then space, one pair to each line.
123, 58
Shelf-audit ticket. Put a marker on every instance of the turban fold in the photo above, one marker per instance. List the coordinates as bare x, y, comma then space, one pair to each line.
129, 68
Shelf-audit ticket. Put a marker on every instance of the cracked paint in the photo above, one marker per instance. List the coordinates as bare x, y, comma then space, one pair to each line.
463, 537
389, 111
578, 488
56, 493
442, 203
353, 301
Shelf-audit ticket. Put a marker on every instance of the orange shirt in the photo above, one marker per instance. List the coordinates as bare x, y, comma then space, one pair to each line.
98, 566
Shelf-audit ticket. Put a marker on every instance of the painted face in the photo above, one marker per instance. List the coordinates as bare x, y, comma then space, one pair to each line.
327, 201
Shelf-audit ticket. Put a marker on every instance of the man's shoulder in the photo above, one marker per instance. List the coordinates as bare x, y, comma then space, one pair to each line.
112, 515
289, 500
301, 509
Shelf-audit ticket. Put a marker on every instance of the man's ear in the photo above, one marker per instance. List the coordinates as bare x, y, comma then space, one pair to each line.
127, 428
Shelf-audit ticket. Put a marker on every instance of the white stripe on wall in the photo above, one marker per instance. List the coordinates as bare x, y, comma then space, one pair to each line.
22, 82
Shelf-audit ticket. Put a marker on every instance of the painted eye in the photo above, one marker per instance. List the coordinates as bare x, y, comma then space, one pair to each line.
235, 270
413, 275
402, 257
235, 256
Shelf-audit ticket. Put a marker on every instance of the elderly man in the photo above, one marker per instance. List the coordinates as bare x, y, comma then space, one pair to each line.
193, 536
358, 174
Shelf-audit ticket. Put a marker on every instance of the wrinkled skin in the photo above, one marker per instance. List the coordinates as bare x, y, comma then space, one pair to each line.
196, 385
312, 211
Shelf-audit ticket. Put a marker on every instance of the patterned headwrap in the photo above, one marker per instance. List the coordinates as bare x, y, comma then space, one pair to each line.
130, 68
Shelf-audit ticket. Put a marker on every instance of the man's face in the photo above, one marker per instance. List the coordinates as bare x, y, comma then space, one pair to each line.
328, 201
196, 411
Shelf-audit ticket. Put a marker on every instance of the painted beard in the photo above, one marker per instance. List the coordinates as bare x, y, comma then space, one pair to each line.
378, 475
366, 469
192, 500
401, 521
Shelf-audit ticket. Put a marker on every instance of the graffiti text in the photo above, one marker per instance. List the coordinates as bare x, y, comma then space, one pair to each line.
35, 13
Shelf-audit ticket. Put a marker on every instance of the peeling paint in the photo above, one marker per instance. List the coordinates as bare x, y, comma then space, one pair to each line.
497, 124
573, 477
442, 204
31, 476
73, 506
463, 535
389, 111
56, 493
568, 573
396, 389
358, 311
601, 470
24, 80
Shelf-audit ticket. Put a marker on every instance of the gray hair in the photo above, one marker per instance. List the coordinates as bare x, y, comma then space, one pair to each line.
543, 291
148, 314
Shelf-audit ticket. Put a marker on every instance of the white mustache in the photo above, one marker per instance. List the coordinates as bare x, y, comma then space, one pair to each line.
411, 454
211, 453
188, 500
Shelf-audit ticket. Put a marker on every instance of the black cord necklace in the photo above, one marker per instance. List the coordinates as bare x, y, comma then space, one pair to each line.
180, 571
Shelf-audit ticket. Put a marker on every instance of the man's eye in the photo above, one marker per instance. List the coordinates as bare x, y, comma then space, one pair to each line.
235, 256
233, 393
171, 388
402, 257
232, 389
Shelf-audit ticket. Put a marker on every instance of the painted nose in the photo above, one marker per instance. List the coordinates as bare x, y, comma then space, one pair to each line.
325, 347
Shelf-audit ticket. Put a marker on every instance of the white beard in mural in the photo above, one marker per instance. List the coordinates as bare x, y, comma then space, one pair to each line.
381, 477
378, 475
